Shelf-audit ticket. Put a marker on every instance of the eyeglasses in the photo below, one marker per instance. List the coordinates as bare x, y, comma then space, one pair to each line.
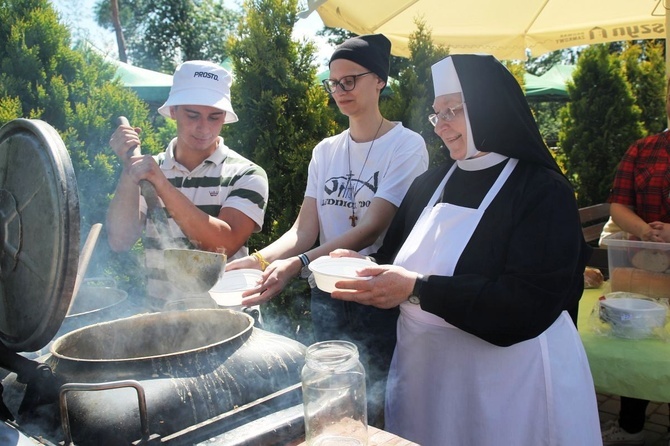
448, 115
347, 83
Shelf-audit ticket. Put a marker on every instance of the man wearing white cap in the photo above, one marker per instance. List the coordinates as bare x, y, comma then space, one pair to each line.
210, 197
485, 257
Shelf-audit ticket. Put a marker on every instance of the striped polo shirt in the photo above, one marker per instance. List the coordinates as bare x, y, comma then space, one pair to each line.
224, 179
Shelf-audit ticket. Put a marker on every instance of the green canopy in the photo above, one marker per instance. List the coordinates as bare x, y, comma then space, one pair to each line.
551, 86
150, 86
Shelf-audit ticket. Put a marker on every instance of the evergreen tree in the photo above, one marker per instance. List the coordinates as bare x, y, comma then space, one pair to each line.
73, 90
598, 124
546, 113
335, 35
644, 67
283, 112
413, 93
540, 65
283, 115
162, 33
547, 117
37, 66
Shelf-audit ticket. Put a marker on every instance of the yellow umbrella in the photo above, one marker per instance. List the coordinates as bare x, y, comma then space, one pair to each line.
507, 29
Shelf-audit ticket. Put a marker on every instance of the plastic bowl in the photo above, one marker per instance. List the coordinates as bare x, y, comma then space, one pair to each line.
631, 315
329, 270
227, 292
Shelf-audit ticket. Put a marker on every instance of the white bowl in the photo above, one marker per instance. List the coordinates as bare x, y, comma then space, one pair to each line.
228, 290
632, 315
329, 270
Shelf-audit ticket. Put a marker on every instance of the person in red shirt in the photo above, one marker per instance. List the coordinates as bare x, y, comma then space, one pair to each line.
640, 205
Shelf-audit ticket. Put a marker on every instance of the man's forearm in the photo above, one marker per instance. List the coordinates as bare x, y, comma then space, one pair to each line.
124, 222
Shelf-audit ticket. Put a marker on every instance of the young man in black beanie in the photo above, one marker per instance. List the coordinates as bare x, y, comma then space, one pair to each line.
356, 182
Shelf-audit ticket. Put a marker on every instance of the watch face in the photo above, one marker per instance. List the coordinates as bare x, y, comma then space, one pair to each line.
414, 300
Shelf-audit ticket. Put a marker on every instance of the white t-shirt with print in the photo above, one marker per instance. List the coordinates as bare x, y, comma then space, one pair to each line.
340, 176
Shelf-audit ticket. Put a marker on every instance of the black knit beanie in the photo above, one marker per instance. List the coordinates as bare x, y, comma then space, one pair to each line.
372, 51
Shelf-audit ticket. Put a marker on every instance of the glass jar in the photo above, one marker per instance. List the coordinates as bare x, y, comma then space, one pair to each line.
333, 390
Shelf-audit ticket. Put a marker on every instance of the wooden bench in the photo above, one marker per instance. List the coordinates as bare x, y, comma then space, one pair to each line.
593, 220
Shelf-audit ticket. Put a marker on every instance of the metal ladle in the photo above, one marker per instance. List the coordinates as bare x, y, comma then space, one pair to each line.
190, 270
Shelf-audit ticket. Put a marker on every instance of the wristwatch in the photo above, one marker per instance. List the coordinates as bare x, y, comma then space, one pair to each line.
415, 297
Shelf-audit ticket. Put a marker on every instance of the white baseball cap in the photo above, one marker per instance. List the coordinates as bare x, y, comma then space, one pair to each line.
199, 82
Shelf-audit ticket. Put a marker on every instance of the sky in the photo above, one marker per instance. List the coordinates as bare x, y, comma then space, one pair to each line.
78, 16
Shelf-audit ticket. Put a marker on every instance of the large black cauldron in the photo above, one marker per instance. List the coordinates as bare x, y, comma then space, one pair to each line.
192, 365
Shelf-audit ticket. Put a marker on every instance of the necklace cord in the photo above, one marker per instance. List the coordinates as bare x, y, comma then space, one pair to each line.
353, 217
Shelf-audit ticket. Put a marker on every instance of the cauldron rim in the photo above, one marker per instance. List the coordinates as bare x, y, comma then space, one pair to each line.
246, 332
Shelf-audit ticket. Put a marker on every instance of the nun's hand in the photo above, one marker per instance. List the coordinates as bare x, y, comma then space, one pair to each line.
383, 286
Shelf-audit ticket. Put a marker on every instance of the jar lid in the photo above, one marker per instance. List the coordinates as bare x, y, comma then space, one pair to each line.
39, 233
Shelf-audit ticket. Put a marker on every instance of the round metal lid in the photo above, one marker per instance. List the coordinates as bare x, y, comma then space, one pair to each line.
39, 233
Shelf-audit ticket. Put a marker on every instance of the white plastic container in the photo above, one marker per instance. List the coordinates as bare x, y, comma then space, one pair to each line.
638, 267
631, 315
329, 270
227, 292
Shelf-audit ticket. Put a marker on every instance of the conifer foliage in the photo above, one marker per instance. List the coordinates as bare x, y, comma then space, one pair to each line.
413, 95
283, 113
72, 89
644, 68
598, 124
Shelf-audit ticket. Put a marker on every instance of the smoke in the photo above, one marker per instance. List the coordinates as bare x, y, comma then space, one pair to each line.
193, 366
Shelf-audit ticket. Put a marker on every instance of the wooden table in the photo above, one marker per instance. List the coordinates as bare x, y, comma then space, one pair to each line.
638, 368
378, 437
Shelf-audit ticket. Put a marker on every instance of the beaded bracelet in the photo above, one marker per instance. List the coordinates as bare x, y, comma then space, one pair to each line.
261, 260
304, 259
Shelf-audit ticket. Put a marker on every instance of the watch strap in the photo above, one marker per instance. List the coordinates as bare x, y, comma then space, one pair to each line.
415, 297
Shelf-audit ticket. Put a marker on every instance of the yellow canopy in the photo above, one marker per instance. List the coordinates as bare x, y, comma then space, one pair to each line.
503, 28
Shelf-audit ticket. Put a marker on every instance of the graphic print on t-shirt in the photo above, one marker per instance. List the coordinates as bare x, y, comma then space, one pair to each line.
342, 191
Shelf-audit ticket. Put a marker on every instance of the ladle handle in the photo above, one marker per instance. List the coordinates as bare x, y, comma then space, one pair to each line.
148, 189
85, 257
133, 151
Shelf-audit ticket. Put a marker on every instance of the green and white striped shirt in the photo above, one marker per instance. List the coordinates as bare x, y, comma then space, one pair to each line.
224, 179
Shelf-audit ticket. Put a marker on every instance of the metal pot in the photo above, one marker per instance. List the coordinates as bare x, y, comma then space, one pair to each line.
192, 365
93, 304
183, 367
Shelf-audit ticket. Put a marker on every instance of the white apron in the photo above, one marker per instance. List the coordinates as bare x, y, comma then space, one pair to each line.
447, 387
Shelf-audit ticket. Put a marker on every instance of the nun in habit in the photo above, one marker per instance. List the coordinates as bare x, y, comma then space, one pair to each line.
485, 258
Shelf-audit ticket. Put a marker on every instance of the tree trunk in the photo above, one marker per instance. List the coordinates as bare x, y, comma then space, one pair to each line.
120, 40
